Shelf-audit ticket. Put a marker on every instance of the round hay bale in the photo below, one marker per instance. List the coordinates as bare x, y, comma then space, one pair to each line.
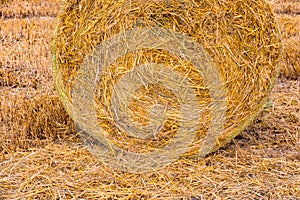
149, 81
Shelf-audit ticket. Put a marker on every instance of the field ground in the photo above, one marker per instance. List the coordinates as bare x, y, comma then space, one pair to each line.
41, 157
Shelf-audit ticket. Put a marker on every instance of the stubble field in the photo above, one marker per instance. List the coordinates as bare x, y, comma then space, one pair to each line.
42, 157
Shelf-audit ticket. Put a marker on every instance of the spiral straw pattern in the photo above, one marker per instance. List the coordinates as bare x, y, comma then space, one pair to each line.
141, 76
147, 83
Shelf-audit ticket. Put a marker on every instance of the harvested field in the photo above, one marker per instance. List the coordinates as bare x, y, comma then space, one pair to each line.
28, 9
286, 6
290, 30
41, 156
25, 56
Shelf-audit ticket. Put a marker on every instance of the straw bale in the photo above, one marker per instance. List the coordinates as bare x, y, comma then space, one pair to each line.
241, 37
262, 163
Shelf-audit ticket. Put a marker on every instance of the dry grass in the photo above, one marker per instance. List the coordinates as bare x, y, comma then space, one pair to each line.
42, 158
28, 122
28, 9
262, 163
288, 15
286, 6
25, 57
290, 28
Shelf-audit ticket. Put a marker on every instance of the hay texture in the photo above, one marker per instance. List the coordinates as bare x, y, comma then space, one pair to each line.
290, 29
25, 8
202, 70
291, 7
41, 157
